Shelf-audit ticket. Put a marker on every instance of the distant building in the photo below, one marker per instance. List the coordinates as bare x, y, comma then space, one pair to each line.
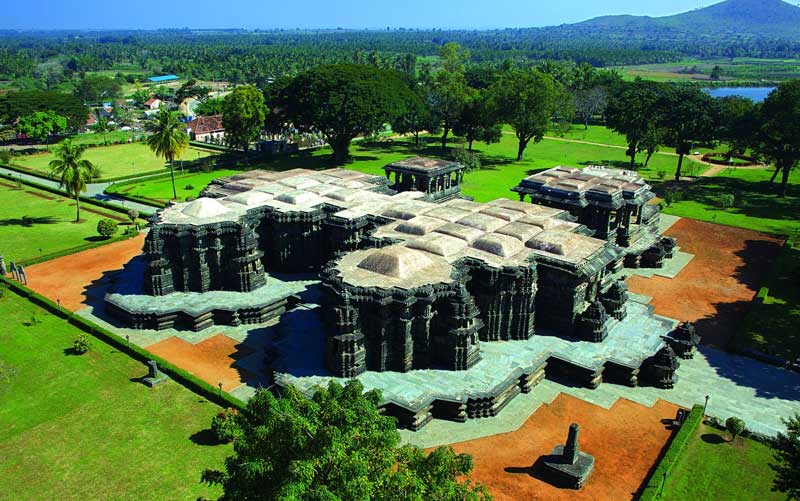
162, 79
153, 103
91, 120
206, 129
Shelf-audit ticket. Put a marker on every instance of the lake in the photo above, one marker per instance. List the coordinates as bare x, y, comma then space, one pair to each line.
757, 94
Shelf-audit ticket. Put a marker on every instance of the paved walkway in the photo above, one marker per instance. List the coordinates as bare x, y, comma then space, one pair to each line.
93, 190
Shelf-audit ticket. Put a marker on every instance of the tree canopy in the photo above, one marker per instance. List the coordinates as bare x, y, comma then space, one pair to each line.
632, 111
342, 102
168, 140
334, 446
787, 460
17, 104
72, 171
779, 137
243, 116
40, 125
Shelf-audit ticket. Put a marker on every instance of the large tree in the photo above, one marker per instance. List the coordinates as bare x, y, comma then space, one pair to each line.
93, 89
334, 446
243, 116
448, 89
738, 124
779, 137
168, 140
416, 118
632, 112
590, 102
528, 101
40, 125
18, 104
787, 460
342, 102
479, 120
72, 171
687, 115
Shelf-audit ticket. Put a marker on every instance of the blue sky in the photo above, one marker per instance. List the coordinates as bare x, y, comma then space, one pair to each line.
149, 14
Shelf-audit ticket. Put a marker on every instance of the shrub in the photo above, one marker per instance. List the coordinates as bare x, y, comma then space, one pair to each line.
225, 426
106, 228
5, 157
661, 174
470, 161
189, 187
726, 200
735, 426
672, 195
133, 215
82, 344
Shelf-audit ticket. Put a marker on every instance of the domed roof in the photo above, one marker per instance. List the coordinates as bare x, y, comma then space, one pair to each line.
395, 261
204, 208
250, 198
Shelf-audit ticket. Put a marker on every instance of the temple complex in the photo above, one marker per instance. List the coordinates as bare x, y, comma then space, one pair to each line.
612, 202
412, 277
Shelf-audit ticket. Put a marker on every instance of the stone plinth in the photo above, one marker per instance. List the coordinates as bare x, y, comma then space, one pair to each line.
567, 466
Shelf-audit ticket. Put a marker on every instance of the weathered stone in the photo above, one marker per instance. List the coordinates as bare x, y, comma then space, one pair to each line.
567, 466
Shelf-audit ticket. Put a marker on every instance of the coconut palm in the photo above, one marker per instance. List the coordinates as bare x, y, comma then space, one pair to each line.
169, 140
72, 171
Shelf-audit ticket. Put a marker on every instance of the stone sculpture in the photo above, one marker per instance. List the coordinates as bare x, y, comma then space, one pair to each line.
154, 376
567, 466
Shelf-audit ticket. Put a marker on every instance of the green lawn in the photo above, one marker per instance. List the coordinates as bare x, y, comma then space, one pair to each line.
35, 222
499, 174
710, 468
114, 161
756, 205
774, 326
80, 427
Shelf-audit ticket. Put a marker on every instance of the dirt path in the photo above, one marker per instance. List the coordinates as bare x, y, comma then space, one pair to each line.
625, 441
716, 287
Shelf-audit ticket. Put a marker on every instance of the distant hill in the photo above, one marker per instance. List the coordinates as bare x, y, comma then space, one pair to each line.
752, 18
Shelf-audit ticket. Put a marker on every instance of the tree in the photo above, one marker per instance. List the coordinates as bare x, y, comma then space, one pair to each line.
735, 426
72, 171
209, 107
334, 446
449, 90
632, 111
94, 88
40, 125
590, 102
779, 138
416, 118
478, 120
342, 102
716, 73
787, 460
106, 228
243, 116
528, 101
133, 215
17, 104
686, 115
103, 127
168, 140
738, 124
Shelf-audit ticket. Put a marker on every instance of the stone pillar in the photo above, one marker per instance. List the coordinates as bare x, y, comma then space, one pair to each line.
571, 449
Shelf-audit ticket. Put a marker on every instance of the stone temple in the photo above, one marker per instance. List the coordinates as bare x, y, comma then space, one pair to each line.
416, 280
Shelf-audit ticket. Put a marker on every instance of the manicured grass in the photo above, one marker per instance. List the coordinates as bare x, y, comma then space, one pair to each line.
113, 161
711, 468
756, 207
594, 134
81, 427
499, 174
160, 190
773, 326
35, 222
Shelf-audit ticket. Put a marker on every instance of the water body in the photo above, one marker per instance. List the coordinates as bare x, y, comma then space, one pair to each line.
757, 94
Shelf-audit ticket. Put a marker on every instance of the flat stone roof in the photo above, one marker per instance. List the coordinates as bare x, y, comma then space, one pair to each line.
429, 237
592, 182
424, 165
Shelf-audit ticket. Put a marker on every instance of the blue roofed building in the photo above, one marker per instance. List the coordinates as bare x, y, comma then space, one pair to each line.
163, 79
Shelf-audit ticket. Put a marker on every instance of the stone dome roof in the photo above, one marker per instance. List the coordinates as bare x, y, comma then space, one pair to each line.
395, 261
204, 208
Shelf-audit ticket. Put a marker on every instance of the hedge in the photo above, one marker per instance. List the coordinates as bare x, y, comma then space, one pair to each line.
79, 248
179, 375
652, 489
90, 201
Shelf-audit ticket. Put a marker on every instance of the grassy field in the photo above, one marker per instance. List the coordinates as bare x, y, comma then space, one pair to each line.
712, 469
733, 70
499, 174
35, 222
773, 326
114, 161
756, 205
81, 427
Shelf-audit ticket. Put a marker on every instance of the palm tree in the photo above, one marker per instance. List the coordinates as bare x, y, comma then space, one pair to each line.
103, 127
72, 171
169, 140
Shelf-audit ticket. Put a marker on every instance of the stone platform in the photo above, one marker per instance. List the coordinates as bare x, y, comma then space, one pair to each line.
507, 368
192, 310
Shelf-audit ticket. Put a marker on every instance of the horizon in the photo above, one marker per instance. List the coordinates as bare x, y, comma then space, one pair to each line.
96, 15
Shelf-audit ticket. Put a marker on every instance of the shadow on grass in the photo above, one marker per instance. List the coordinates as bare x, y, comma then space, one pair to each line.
71, 352
28, 221
96, 238
206, 438
712, 438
